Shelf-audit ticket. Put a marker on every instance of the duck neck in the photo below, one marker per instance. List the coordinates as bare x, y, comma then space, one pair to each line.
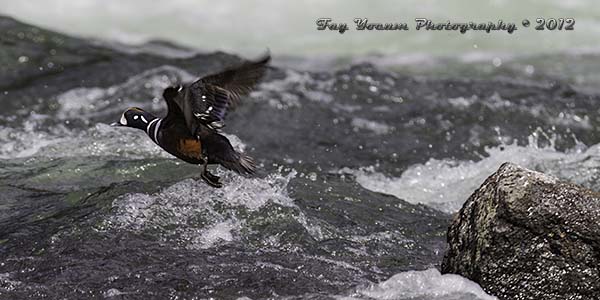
152, 129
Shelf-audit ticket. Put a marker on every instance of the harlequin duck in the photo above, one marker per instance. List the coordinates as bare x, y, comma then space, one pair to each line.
195, 113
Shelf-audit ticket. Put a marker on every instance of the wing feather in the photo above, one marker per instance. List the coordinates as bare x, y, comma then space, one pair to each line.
240, 80
208, 99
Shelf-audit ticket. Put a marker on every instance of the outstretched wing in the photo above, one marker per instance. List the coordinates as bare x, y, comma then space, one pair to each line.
213, 95
170, 95
240, 80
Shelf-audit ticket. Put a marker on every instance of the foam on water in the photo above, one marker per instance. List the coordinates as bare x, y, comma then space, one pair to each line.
83, 103
375, 127
188, 214
423, 285
277, 92
59, 141
446, 184
216, 233
99, 140
496, 102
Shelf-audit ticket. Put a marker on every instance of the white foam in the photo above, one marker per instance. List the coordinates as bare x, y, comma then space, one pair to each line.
428, 284
462, 102
99, 140
496, 102
277, 92
8, 284
59, 141
221, 232
446, 184
192, 215
83, 103
36, 138
112, 293
373, 126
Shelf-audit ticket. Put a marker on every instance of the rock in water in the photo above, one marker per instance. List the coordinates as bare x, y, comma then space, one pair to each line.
527, 235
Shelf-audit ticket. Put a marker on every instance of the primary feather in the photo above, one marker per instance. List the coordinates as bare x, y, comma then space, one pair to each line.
209, 98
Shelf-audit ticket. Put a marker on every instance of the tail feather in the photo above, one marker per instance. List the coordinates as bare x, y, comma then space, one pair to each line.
247, 164
219, 150
242, 164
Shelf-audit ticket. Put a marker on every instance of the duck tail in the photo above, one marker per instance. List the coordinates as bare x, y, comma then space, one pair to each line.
242, 164
247, 163
219, 150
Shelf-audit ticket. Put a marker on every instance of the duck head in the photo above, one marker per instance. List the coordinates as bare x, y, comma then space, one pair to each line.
135, 117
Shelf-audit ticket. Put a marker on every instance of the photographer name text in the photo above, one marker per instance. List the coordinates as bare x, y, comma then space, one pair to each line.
424, 24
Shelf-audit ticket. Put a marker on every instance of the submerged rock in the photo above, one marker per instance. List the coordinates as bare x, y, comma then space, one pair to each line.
526, 235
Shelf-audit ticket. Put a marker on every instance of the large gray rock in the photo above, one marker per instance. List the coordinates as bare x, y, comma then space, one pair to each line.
526, 235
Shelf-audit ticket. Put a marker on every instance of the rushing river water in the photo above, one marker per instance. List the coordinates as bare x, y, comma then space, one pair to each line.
243, 26
361, 168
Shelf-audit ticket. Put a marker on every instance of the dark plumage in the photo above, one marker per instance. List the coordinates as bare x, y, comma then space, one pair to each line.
196, 111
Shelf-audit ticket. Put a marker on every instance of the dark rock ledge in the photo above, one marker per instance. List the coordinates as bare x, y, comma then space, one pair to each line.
527, 235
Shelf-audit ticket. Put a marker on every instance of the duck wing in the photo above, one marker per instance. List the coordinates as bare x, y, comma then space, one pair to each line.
237, 81
207, 100
170, 95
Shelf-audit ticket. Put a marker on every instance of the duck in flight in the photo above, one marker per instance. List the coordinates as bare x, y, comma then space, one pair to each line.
195, 112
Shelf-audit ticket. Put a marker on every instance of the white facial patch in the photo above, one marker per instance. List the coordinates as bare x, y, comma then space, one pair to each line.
123, 120
144, 119
135, 117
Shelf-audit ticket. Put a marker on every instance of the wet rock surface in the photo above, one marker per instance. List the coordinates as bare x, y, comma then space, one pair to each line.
527, 235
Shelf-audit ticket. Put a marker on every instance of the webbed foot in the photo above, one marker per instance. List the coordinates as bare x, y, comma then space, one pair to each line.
212, 180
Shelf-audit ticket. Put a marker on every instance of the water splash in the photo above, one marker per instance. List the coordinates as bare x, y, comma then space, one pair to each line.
446, 184
189, 214
428, 284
